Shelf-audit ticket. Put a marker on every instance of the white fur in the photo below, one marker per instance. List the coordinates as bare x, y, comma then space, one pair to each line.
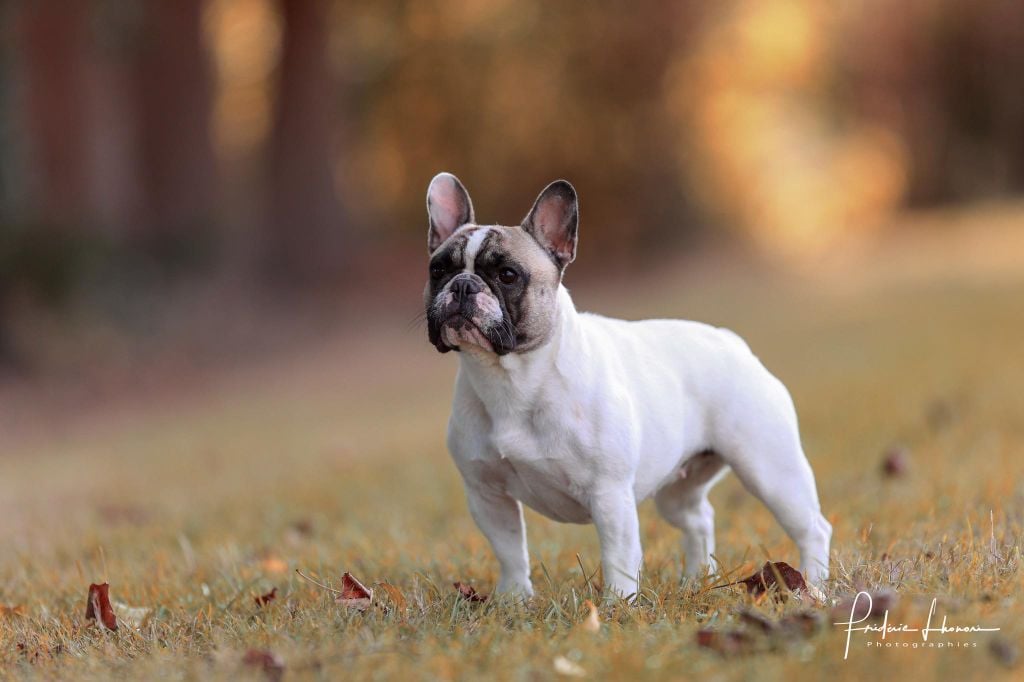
608, 413
473, 245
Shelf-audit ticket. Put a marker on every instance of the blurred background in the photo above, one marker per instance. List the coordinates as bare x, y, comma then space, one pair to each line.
213, 251
175, 173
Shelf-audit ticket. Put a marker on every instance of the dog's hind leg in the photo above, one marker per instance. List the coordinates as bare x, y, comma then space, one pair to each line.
684, 503
768, 459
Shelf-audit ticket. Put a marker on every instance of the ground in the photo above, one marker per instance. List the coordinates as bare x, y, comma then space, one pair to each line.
331, 458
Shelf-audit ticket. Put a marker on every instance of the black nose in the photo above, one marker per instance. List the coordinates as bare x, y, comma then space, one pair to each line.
465, 286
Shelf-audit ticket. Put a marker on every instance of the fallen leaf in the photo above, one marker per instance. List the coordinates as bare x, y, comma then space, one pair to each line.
792, 580
563, 666
265, 599
592, 623
354, 594
394, 594
880, 602
469, 593
12, 611
273, 564
270, 662
98, 607
132, 616
727, 642
895, 461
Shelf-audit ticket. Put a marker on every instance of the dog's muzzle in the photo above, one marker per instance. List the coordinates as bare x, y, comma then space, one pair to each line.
462, 301
466, 312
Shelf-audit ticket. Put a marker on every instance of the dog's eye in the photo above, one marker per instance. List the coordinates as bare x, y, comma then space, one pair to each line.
507, 276
437, 269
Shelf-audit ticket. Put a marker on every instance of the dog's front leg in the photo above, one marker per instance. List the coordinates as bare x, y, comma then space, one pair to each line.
500, 517
613, 510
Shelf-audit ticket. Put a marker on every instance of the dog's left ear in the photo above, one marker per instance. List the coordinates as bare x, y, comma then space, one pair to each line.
554, 221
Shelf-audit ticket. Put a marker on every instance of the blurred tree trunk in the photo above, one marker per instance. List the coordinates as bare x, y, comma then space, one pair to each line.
306, 221
54, 48
175, 146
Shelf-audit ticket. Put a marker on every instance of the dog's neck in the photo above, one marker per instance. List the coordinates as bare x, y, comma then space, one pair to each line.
518, 377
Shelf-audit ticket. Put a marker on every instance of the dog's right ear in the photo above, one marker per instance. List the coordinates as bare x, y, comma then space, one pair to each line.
448, 207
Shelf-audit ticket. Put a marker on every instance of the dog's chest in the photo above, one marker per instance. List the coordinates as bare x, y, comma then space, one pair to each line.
541, 461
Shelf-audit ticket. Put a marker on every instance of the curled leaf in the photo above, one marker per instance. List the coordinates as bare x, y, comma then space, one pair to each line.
781, 575
354, 594
469, 593
99, 608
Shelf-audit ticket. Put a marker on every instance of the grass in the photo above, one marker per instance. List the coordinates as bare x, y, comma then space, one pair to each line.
332, 460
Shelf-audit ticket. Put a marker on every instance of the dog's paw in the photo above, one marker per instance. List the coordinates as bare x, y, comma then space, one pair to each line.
517, 589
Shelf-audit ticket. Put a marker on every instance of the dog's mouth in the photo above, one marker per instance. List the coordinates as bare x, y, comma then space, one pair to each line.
458, 331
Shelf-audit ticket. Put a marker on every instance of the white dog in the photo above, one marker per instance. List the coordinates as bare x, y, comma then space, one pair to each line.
581, 416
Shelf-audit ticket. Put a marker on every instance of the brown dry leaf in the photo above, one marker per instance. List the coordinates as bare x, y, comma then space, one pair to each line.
394, 594
98, 607
273, 564
469, 593
132, 616
12, 611
592, 623
726, 642
271, 663
354, 594
265, 599
793, 581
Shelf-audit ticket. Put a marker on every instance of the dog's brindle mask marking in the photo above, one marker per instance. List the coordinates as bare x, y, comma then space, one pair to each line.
491, 287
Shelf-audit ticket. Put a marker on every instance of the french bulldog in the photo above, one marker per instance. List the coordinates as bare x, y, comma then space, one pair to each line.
581, 417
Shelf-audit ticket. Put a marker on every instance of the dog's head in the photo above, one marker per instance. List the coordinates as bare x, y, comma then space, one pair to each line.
492, 288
